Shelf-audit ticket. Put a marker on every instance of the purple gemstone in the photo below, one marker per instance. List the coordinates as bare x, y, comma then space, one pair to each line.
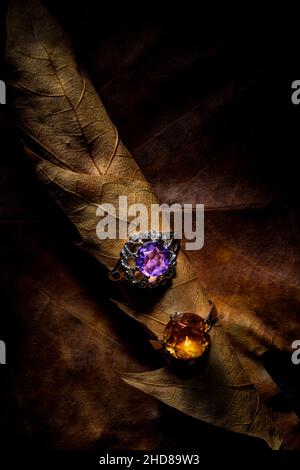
153, 259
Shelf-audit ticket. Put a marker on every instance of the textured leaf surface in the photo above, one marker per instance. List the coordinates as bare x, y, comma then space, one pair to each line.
236, 402
77, 153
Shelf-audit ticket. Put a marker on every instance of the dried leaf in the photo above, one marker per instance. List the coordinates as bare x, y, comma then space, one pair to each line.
77, 153
64, 371
236, 402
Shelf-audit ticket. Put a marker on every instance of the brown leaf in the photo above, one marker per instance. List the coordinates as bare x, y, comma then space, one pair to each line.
63, 343
77, 153
64, 374
236, 402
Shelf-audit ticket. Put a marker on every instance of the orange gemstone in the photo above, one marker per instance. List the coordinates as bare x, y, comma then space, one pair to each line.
186, 336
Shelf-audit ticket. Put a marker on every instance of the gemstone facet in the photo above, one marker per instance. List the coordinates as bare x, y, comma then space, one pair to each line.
186, 336
147, 260
153, 259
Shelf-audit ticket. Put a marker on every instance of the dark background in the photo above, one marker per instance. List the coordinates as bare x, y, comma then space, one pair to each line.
209, 118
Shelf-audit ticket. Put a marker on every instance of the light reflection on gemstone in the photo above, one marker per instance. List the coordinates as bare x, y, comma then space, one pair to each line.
186, 336
153, 259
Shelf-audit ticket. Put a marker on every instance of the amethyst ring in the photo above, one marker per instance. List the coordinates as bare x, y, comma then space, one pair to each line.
147, 259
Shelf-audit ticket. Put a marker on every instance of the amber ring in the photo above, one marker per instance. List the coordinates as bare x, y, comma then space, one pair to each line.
147, 259
186, 336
